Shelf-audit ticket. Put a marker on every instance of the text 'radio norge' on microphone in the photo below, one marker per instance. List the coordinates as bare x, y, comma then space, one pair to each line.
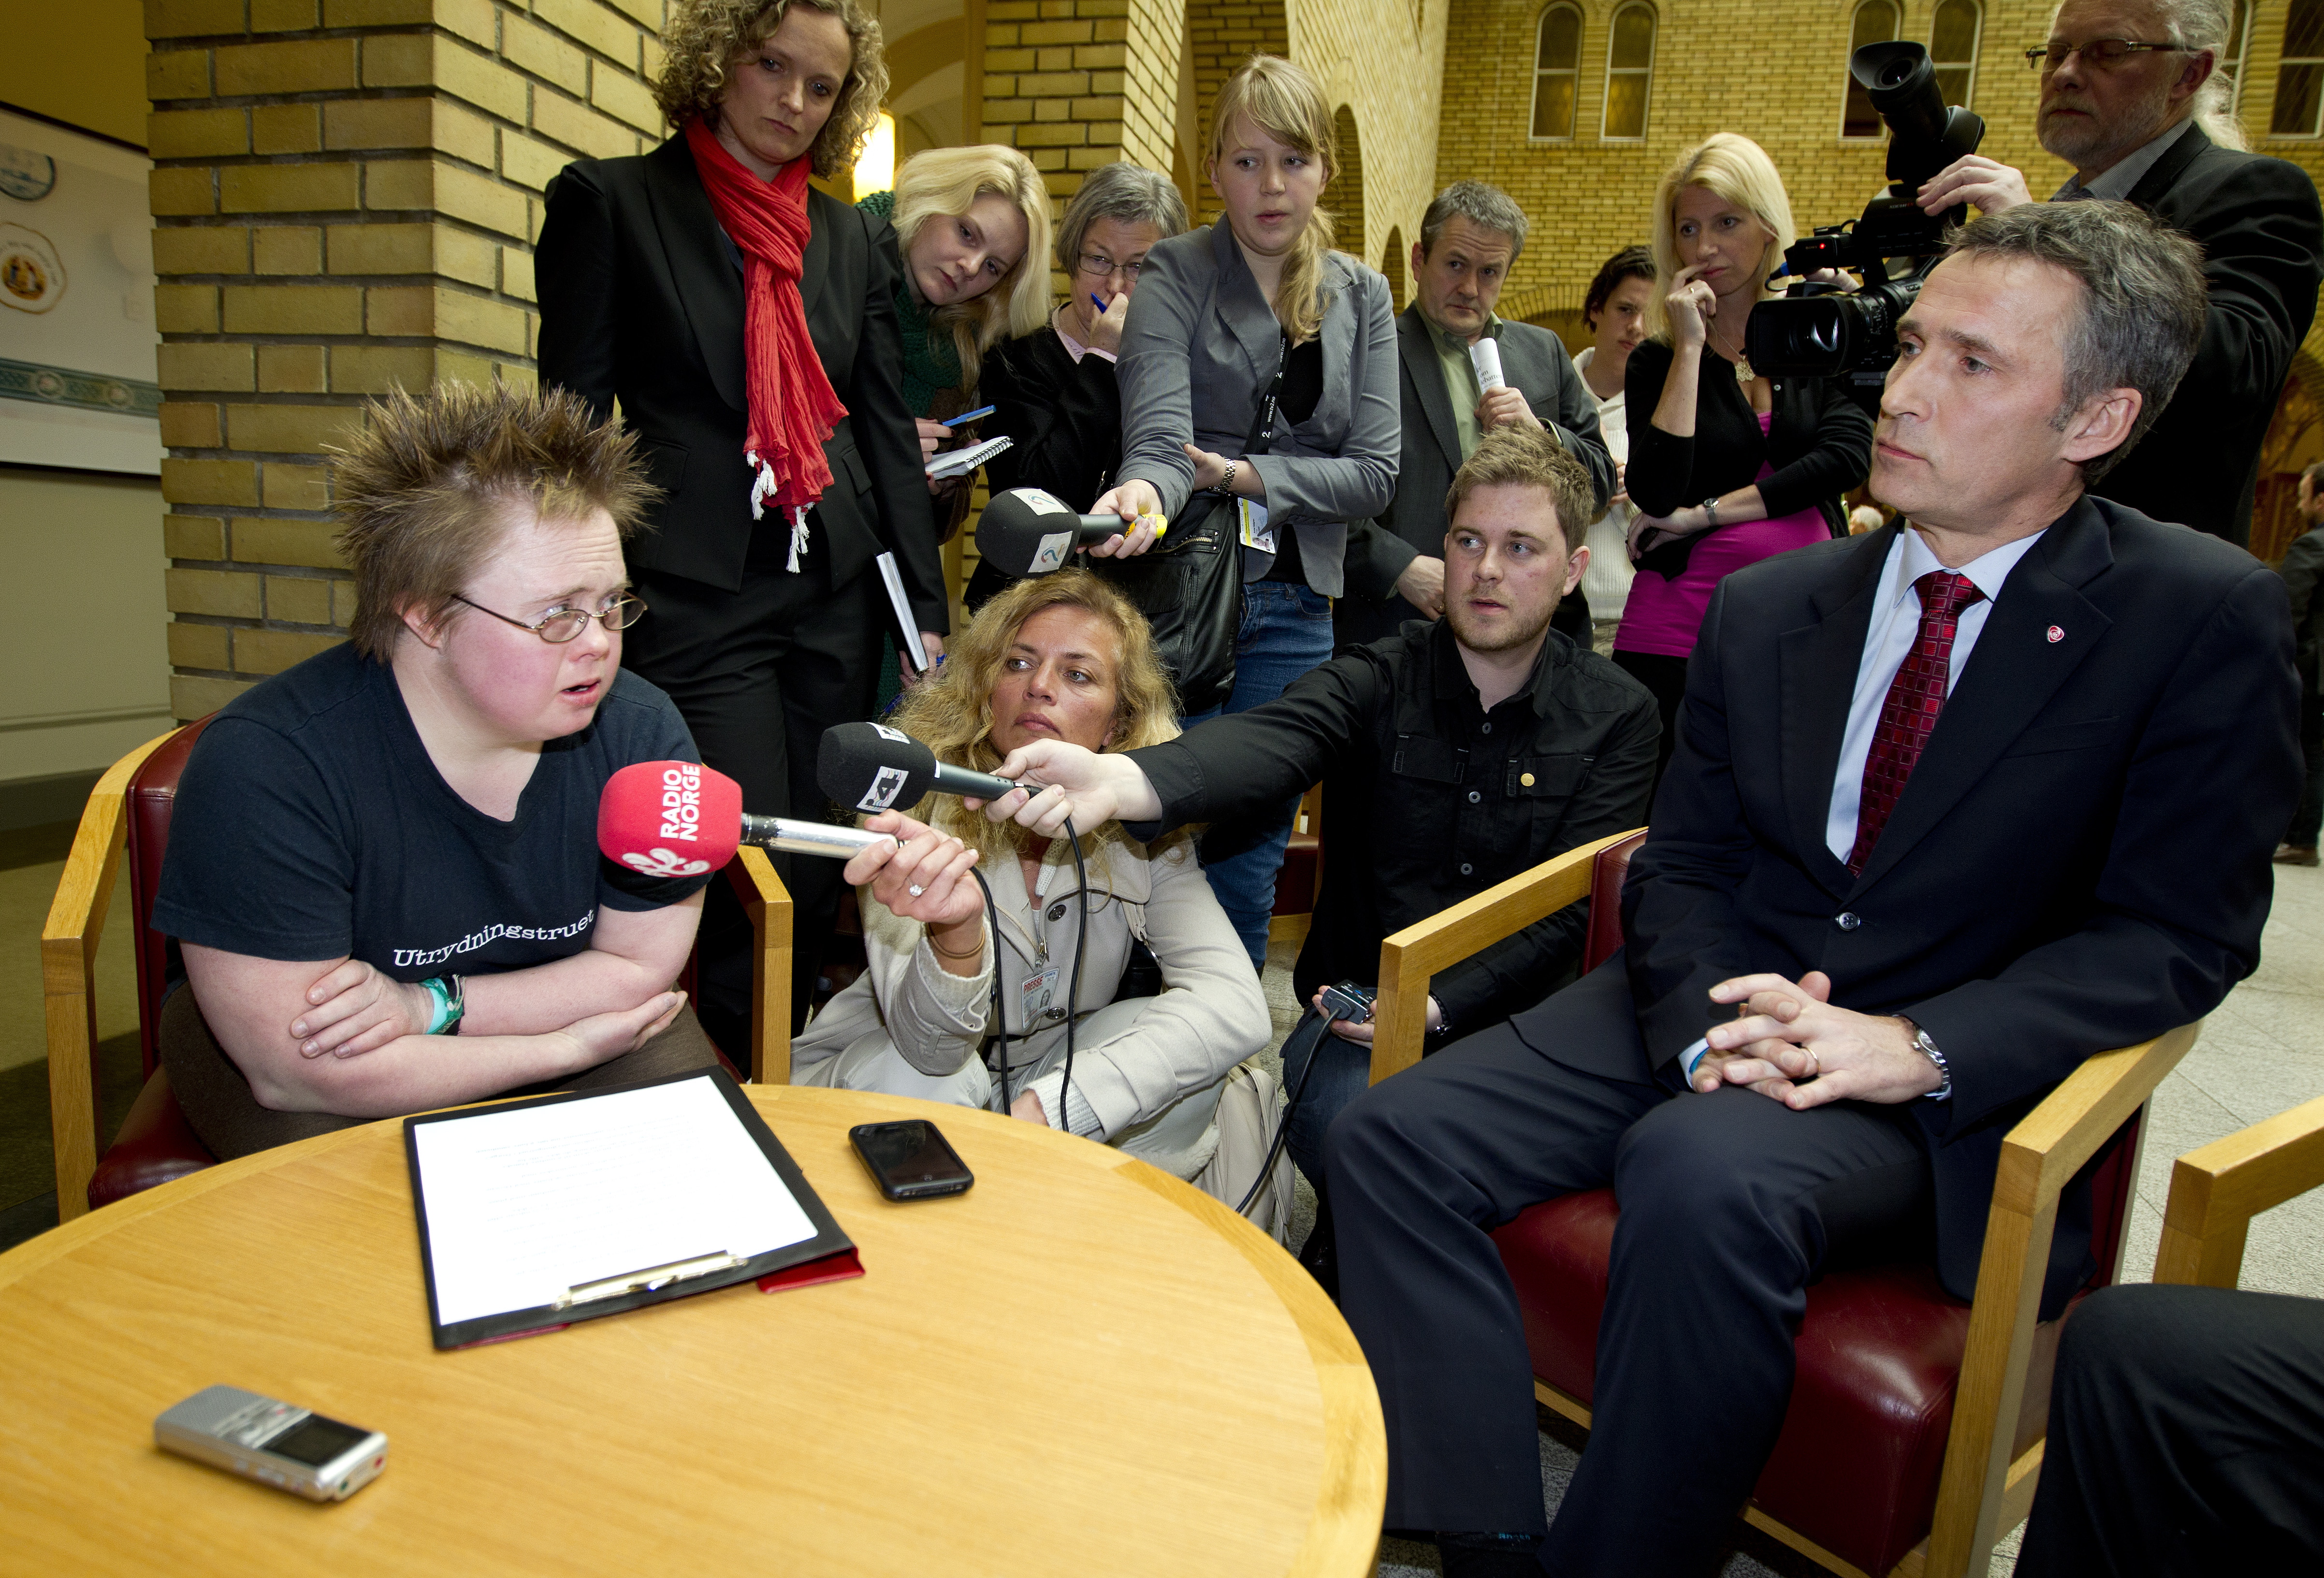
870, 767
681, 818
1026, 531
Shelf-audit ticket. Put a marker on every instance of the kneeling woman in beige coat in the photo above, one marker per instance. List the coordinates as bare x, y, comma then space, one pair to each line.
1062, 656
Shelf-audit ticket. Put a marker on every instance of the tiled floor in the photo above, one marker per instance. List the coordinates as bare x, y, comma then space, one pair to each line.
2262, 1052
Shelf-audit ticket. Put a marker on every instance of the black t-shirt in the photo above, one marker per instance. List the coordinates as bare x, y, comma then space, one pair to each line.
311, 824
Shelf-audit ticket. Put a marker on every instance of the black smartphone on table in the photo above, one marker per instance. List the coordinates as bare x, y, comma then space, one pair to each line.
910, 1160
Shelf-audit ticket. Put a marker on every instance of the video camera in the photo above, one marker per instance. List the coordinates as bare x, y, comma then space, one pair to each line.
1820, 329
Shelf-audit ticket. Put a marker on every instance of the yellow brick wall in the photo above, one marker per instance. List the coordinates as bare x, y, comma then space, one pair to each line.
1056, 76
345, 195
1387, 61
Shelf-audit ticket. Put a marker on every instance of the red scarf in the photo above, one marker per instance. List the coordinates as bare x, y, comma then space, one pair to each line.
792, 407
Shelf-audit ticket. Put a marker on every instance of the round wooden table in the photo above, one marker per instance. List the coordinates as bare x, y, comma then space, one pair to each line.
1080, 1367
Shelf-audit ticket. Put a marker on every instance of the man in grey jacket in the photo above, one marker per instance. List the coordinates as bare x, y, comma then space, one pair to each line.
1469, 238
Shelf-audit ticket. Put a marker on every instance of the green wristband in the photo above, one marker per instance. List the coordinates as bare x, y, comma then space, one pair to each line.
447, 998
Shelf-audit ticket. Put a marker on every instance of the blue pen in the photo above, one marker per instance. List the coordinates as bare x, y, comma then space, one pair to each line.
970, 416
1097, 302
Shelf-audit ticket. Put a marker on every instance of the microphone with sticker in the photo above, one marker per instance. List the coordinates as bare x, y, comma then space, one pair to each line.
681, 818
870, 767
1026, 531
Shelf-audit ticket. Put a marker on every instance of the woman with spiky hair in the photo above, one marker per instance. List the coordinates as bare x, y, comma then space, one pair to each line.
382, 869
744, 323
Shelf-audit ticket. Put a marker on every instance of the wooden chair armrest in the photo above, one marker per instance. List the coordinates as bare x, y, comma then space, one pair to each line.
1409, 959
68, 942
2218, 1189
769, 905
2047, 1148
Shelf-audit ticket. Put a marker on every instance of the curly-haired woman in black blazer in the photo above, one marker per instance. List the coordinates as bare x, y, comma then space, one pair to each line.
746, 324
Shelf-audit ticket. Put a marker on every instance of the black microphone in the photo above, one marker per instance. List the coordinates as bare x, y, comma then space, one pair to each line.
1026, 531
872, 767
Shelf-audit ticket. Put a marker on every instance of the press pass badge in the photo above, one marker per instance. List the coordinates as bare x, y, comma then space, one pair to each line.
1256, 532
1036, 993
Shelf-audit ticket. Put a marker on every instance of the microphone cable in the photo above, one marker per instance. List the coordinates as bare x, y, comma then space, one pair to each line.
1073, 988
1000, 1024
1323, 1023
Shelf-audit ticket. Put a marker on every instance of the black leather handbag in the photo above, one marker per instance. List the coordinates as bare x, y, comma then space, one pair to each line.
1189, 584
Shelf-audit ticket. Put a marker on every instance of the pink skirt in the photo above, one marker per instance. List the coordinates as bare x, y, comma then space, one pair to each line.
1662, 616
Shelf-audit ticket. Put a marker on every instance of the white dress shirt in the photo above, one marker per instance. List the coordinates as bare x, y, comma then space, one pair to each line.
1895, 626
1606, 582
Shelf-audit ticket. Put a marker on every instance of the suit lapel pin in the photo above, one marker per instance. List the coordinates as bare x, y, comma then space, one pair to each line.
2056, 635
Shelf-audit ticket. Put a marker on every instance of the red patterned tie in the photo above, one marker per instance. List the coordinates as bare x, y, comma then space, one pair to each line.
1915, 698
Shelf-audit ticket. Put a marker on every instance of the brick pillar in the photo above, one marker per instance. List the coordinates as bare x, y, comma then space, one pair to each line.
345, 195
1081, 83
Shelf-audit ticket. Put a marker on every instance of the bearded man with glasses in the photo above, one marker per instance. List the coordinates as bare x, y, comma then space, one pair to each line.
2132, 97
383, 872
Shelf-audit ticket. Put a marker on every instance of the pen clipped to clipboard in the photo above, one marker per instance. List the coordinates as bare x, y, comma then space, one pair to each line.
533, 1215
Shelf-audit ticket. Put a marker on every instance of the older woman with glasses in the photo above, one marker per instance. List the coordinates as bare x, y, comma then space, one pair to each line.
383, 872
1053, 391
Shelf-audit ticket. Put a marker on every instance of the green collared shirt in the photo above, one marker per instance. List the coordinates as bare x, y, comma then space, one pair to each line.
1461, 379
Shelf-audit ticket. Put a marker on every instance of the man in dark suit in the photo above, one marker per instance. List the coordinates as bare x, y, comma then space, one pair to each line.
1945, 818
2152, 125
642, 301
2302, 568
1469, 237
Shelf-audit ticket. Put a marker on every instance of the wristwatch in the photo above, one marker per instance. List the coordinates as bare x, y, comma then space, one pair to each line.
1710, 510
1944, 1070
1226, 482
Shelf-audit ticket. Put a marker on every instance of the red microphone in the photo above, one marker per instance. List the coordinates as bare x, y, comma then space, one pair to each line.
681, 818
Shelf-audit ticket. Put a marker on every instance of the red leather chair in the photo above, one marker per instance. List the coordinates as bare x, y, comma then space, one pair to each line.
1913, 1441
128, 813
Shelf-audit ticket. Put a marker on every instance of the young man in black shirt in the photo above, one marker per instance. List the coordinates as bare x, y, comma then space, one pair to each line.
1454, 755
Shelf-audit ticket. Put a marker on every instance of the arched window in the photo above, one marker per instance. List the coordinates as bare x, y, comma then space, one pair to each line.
2238, 50
1630, 73
1556, 71
1392, 265
2299, 79
1877, 21
1952, 48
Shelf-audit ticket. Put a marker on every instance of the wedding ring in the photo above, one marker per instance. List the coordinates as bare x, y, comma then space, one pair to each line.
916, 890
1815, 1063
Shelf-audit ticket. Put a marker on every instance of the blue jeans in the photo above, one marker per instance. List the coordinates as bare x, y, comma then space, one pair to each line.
1342, 1072
1285, 630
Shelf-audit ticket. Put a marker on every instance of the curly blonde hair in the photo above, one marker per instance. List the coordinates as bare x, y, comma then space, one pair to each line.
1286, 102
951, 711
706, 37
941, 182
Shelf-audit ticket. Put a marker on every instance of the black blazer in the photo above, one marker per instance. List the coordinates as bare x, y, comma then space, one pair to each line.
642, 301
1535, 363
1820, 445
2261, 231
1063, 418
2079, 861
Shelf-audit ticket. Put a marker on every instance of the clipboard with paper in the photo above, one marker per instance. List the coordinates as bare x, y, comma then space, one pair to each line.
537, 1214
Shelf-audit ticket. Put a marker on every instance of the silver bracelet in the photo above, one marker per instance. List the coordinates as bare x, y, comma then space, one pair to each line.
1226, 482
